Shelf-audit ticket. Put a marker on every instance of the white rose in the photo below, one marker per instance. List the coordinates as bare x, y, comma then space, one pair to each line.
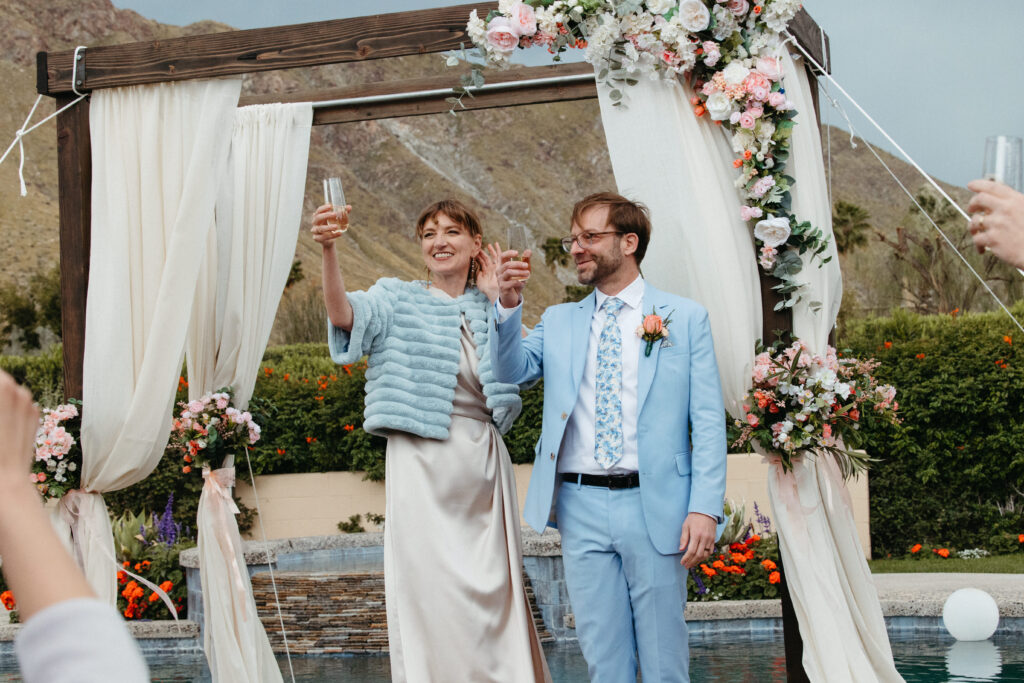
719, 106
773, 230
660, 6
734, 73
693, 15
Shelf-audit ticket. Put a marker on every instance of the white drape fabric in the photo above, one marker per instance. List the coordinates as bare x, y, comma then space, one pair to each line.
155, 149
248, 258
680, 167
835, 600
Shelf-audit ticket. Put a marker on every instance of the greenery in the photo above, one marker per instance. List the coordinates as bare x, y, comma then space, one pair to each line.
27, 313
994, 564
149, 545
743, 570
951, 473
850, 225
42, 374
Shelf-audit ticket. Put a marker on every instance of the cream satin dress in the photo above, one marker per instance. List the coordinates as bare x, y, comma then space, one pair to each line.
456, 607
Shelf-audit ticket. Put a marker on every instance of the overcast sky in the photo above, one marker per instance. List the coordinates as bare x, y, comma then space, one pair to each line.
939, 76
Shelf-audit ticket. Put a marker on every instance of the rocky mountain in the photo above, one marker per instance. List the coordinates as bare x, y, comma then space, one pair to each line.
523, 166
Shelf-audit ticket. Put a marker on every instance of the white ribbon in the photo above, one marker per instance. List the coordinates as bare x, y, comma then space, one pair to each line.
218, 484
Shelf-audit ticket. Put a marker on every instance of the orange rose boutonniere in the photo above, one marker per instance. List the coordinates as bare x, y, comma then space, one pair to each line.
654, 329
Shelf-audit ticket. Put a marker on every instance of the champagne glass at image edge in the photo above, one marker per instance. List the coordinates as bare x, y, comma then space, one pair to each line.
335, 196
1003, 160
517, 240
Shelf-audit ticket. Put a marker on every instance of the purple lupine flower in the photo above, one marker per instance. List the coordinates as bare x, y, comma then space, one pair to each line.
762, 521
167, 530
701, 588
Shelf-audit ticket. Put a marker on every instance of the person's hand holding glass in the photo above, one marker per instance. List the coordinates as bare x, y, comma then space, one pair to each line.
330, 221
997, 208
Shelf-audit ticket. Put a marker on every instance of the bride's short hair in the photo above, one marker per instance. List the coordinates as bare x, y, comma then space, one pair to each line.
454, 209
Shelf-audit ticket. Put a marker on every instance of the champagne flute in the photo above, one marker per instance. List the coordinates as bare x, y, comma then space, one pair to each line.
335, 196
1003, 160
518, 240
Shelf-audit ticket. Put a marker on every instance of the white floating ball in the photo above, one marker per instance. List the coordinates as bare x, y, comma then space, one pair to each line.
970, 614
977, 661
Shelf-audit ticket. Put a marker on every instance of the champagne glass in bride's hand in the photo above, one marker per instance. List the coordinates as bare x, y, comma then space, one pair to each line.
335, 196
518, 241
1003, 161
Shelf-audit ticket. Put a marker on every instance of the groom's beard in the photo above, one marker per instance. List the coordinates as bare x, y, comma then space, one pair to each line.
601, 267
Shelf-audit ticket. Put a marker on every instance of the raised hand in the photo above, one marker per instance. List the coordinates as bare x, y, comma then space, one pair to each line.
512, 276
329, 225
487, 262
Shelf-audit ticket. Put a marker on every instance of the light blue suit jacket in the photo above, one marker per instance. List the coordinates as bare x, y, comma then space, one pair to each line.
681, 416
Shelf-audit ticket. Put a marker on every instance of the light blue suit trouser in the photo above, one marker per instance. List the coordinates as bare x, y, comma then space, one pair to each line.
628, 598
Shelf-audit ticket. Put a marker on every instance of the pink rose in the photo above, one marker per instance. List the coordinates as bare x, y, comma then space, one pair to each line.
776, 99
196, 406
709, 89
756, 112
652, 324
738, 7
756, 79
769, 67
711, 53
752, 419
747, 121
749, 212
762, 186
524, 20
501, 34
759, 93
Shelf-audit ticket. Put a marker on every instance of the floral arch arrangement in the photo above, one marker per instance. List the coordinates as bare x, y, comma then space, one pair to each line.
728, 51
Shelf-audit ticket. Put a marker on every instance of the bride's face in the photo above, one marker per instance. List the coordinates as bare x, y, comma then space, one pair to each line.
447, 247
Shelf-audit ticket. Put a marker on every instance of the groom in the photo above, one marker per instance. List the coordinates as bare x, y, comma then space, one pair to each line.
631, 459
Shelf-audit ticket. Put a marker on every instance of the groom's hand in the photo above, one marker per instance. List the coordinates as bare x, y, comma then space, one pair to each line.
697, 539
512, 277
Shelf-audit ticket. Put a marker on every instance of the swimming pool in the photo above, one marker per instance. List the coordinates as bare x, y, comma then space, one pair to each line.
921, 659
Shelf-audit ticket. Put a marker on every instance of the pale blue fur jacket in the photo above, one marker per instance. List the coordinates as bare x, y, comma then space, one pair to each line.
412, 339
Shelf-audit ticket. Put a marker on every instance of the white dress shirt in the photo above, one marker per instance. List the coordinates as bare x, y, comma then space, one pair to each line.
578, 444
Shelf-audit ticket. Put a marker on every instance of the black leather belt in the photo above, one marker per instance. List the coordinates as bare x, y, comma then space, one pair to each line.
616, 481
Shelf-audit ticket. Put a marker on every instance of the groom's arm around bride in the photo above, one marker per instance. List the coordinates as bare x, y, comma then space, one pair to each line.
631, 462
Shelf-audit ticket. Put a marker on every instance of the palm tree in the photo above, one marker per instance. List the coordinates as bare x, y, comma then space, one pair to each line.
850, 226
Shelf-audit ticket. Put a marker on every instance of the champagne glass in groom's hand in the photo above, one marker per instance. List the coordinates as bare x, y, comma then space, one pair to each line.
1003, 161
517, 240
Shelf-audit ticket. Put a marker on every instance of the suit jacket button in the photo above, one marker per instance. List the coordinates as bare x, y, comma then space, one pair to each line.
564, 415
552, 456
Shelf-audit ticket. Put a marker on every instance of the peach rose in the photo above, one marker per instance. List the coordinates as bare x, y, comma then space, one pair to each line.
770, 67
501, 34
653, 325
524, 19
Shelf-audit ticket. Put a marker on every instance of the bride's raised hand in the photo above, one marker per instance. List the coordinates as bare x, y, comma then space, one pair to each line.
487, 271
329, 225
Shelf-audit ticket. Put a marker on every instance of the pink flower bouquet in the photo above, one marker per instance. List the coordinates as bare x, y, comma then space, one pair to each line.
801, 403
208, 428
57, 467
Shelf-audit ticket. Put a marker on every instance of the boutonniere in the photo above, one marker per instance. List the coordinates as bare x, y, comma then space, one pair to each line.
654, 329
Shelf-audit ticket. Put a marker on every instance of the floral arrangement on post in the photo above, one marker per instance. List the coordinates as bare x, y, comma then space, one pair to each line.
57, 467
802, 402
729, 53
208, 428
742, 568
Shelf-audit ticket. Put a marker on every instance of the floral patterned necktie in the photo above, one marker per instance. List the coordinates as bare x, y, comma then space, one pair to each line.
608, 408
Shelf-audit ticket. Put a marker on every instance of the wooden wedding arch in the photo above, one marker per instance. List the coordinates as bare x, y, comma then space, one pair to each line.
302, 45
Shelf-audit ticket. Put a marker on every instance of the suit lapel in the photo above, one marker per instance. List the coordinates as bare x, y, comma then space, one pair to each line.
582, 316
648, 364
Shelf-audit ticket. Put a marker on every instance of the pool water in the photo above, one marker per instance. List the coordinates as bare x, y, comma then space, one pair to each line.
921, 659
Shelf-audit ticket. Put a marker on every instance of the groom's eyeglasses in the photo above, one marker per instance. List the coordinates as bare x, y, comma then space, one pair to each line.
585, 239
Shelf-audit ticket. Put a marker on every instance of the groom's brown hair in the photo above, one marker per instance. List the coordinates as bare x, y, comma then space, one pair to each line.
624, 215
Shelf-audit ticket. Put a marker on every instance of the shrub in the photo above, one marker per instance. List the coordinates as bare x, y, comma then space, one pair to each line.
951, 471
42, 374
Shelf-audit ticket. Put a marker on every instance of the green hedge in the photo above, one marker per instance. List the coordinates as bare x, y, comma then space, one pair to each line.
952, 473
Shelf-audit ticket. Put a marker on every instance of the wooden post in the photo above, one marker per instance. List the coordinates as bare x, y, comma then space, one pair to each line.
74, 164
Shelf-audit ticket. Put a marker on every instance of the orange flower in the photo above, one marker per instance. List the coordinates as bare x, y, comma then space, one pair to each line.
153, 597
126, 564
347, 369
699, 110
1020, 538
757, 9
186, 469
738, 558
349, 428
888, 344
718, 564
138, 566
121, 576
747, 155
768, 565
736, 163
310, 439
166, 586
955, 311
318, 398
1008, 339
754, 539
708, 571
334, 378
695, 100
919, 356
916, 549
774, 577
188, 458
7, 598
941, 552
286, 376
280, 451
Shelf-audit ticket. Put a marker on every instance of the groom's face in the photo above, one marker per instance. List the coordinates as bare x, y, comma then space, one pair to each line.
603, 258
